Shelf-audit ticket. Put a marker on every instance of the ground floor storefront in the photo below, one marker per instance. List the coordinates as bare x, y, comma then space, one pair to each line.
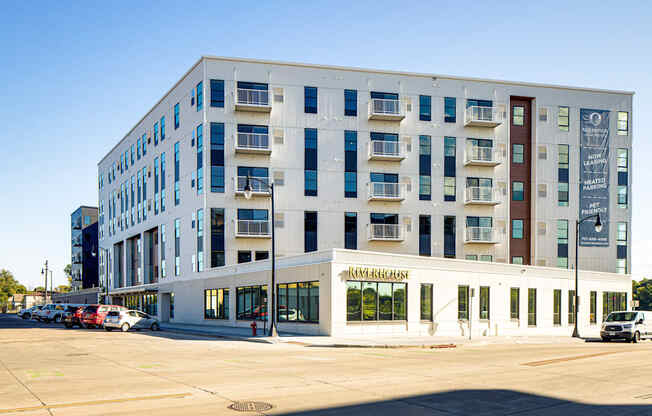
346, 292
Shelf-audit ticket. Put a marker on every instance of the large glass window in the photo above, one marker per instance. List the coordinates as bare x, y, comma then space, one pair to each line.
518, 153
463, 302
351, 230
623, 123
350, 164
449, 237
376, 301
556, 307
425, 163
298, 302
310, 231
217, 93
563, 119
426, 301
621, 248
217, 237
310, 99
450, 110
485, 302
562, 194
425, 107
251, 303
200, 159
177, 173
176, 116
310, 162
594, 307
449, 168
200, 96
562, 243
612, 302
424, 235
517, 229
571, 307
217, 157
351, 103
514, 303
518, 193
518, 115
216, 304
532, 307
177, 247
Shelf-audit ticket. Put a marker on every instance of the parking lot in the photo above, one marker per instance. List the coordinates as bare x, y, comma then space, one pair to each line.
49, 370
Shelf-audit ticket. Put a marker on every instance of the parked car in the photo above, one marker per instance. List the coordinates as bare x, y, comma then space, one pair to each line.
27, 313
93, 315
125, 320
628, 325
72, 316
51, 312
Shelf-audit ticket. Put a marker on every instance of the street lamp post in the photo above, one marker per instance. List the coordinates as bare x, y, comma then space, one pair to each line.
45, 272
106, 272
248, 193
598, 228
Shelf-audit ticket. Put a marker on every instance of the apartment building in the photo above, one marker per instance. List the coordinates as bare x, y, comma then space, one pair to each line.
84, 247
367, 160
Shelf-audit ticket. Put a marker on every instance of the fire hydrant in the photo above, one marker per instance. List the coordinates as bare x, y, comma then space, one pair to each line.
253, 328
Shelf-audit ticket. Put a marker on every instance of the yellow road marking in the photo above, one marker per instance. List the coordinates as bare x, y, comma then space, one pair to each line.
94, 403
564, 359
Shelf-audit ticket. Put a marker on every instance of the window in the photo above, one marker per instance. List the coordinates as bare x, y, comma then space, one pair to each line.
350, 164
155, 133
310, 100
517, 259
200, 96
351, 230
132, 155
623, 123
563, 163
163, 182
532, 307
517, 229
593, 307
518, 115
556, 307
613, 301
310, 231
562, 193
426, 302
376, 301
144, 140
517, 191
518, 155
449, 237
473, 257
310, 162
424, 168
177, 173
217, 157
449, 168
562, 244
217, 93
176, 116
351, 103
138, 146
514, 303
200, 159
156, 181
200, 240
424, 235
463, 302
621, 248
622, 196
571, 307
251, 303
622, 156
217, 237
425, 107
298, 302
484, 303
216, 304
162, 128
450, 110
563, 119
177, 247
244, 256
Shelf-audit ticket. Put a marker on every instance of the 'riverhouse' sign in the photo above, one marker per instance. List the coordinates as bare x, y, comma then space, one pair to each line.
374, 273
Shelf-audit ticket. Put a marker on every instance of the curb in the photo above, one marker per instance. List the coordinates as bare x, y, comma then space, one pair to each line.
384, 346
218, 336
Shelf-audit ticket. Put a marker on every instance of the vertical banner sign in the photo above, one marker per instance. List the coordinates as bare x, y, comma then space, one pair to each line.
594, 176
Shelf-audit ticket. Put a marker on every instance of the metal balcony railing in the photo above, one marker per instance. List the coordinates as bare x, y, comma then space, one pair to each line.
482, 116
259, 185
386, 150
250, 99
254, 228
386, 191
385, 109
386, 232
481, 195
256, 142
481, 155
480, 235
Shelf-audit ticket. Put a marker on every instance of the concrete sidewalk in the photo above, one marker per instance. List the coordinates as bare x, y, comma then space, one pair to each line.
244, 334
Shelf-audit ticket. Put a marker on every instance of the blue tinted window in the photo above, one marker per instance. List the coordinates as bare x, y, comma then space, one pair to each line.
310, 231
138, 145
156, 133
424, 235
217, 157
351, 103
449, 237
252, 86
253, 171
384, 177
310, 99
310, 179
249, 128
350, 164
162, 128
424, 168
200, 96
351, 230
384, 95
425, 107
517, 229
253, 214
217, 93
381, 218
388, 137
310, 162
517, 191
478, 103
450, 110
176, 116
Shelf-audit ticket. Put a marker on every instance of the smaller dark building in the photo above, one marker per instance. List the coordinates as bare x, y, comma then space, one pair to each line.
84, 248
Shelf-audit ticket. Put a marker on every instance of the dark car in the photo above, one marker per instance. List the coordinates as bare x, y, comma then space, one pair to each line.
72, 316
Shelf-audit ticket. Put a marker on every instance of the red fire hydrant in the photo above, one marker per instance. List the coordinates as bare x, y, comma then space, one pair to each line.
253, 328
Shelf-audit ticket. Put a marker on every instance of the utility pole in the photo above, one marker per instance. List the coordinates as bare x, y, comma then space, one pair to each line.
45, 297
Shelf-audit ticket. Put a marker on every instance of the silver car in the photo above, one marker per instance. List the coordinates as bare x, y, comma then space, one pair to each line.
125, 320
631, 326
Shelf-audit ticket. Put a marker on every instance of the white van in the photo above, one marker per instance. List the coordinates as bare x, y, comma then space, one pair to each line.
628, 325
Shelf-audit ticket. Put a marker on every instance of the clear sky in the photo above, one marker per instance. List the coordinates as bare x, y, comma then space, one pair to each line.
77, 75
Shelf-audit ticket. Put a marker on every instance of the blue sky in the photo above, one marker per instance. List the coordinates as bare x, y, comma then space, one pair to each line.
78, 75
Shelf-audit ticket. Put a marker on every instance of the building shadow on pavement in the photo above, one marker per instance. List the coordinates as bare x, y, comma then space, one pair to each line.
484, 403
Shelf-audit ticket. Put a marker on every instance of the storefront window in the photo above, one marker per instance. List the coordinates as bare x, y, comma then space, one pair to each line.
251, 303
426, 302
373, 301
298, 302
216, 304
613, 301
462, 302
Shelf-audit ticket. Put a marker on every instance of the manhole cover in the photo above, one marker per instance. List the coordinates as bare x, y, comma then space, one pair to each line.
248, 406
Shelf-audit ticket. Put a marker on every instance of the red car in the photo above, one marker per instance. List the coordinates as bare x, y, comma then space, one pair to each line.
93, 316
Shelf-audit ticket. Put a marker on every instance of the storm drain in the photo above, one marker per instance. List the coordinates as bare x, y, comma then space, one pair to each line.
249, 406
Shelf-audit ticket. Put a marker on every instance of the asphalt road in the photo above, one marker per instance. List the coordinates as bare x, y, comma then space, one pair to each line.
46, 369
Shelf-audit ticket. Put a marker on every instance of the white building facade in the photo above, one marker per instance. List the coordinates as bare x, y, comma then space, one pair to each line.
377, 161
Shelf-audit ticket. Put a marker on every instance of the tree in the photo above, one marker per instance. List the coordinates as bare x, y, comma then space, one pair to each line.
68, 272
642, 291
9, 286
39, 289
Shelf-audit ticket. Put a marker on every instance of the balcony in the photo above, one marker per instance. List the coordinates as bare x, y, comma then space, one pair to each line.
481, 195
257, 188
481, 156
482, 235
386, 191
477, 116
253, 143
252, 100
386, 232
385, 109
387, 150
253, 229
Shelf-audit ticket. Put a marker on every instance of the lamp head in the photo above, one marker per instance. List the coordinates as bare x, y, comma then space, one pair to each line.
598, 224
247, 188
